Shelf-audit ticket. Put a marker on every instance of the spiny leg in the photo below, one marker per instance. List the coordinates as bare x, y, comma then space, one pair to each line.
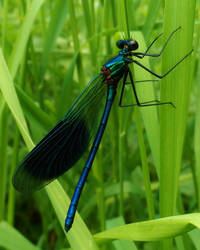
133, 87
143, 104
148, 48
139, 81
141, 55
161, 76
155, 103
123, 86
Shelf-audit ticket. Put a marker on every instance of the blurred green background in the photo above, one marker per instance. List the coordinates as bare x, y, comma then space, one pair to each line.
148, 164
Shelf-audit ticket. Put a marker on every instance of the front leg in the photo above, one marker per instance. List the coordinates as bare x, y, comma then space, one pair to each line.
141, 55
160, 76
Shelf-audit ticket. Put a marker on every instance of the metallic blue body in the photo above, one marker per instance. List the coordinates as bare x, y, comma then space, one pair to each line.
119, 59
117, 66
115, 69
73, 206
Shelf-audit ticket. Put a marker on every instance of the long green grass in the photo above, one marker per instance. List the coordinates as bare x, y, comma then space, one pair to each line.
144, 189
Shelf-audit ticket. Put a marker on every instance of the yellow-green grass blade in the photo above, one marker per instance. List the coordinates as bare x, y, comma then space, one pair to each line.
90, 26
152, 230
16, 240
176, 88
23, 36
197, 141
153, 11
120, 244
79, 236
195, 237
56, 23
33, 112
151, 125
77, 46
10, 96
66, 91
197, 124
145, 92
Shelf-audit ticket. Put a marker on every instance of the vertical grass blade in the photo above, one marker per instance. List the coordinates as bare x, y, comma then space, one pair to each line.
4, 23
66, 88
4, 136
23, 36
154, 7
175, 88
146, 115
149, 114
90, 29
56, 23
73, 21
10, 96
197, 132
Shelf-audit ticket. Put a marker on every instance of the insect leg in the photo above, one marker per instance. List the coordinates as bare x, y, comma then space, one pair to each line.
161, 76
141, 55
123, 86
142, 104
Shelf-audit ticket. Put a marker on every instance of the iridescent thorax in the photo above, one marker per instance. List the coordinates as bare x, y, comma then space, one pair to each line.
113, 70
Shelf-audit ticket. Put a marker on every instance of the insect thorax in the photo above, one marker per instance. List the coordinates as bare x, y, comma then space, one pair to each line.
113, 70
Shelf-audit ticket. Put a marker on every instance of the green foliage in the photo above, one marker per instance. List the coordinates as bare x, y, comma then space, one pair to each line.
148, 164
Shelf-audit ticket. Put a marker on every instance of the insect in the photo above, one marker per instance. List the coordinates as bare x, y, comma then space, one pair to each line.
84, 122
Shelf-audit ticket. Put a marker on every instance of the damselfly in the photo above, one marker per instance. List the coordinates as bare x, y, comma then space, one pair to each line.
85, 122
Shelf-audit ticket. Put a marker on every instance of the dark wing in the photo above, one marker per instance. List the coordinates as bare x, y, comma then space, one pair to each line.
64, 145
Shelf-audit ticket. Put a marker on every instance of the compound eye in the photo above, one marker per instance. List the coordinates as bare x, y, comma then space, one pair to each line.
120, 44
134, 45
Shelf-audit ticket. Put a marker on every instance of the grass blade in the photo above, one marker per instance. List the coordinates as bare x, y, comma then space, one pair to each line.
10, 96
23, 36
152, 230
176, 87
16, 240
56, 23
79, 237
